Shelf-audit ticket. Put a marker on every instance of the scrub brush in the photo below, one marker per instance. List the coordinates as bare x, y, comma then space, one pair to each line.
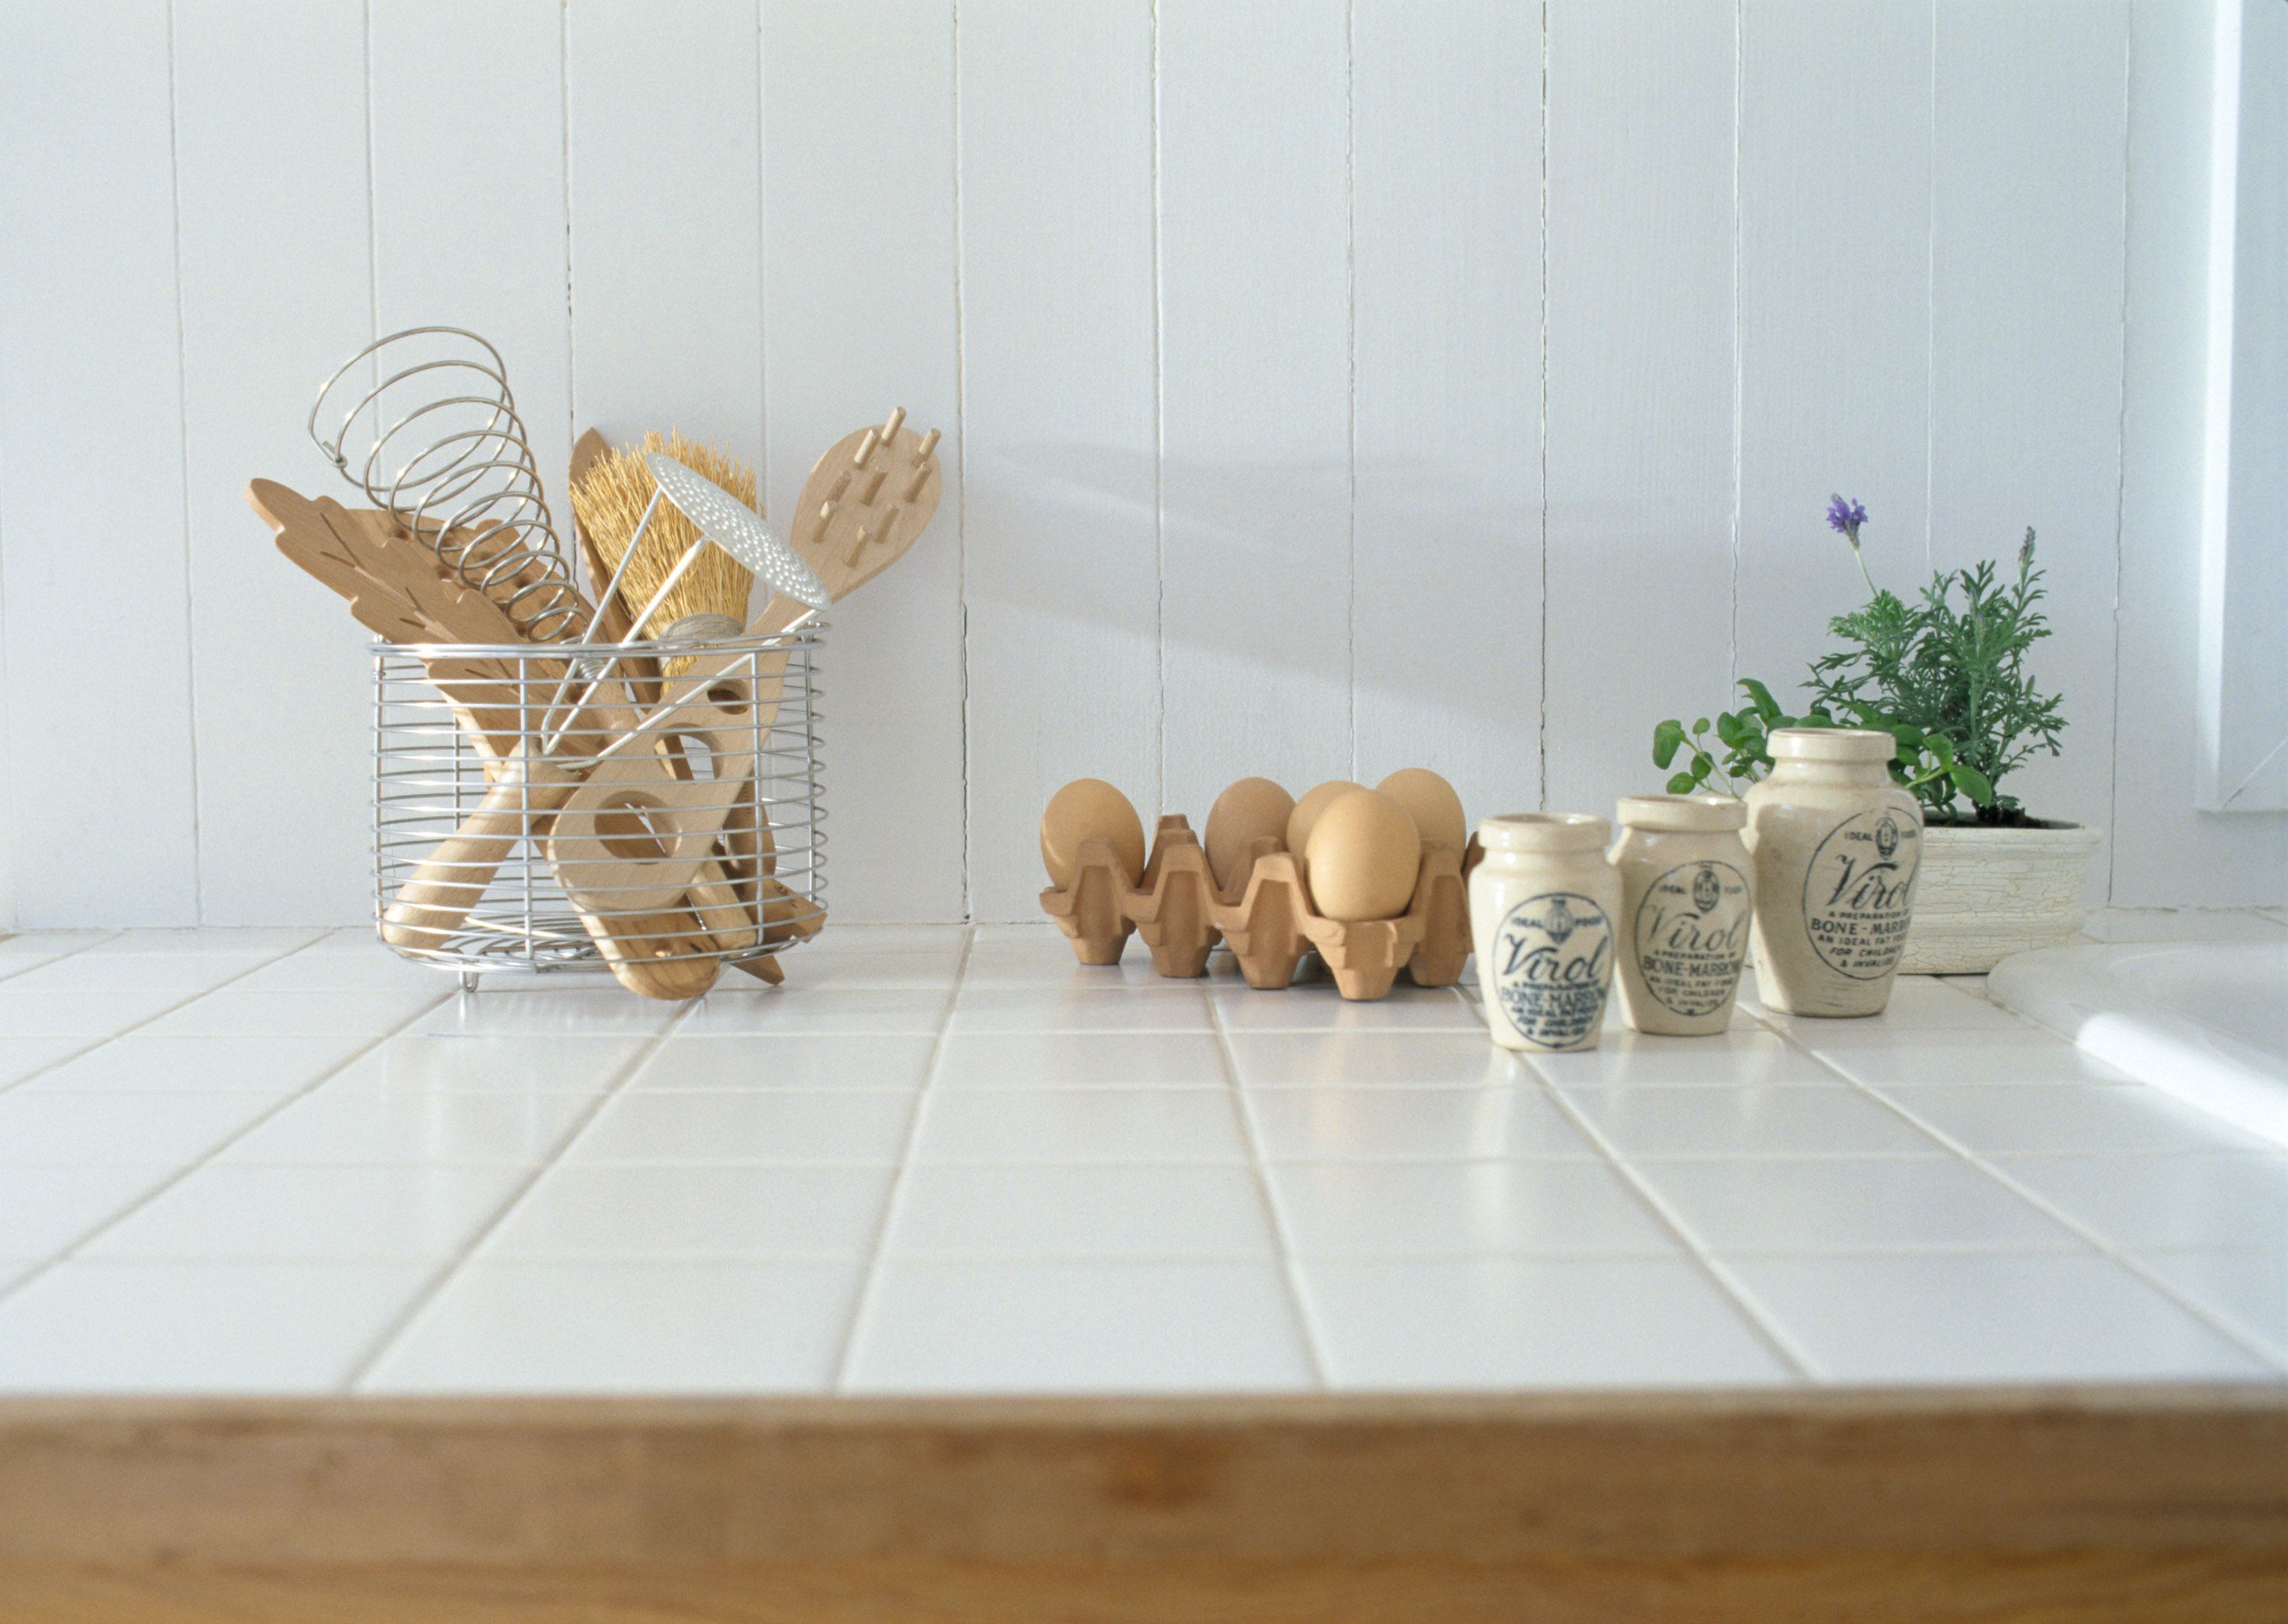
610, 497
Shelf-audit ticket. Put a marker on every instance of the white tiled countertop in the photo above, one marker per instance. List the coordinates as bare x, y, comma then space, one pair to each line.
940, 1159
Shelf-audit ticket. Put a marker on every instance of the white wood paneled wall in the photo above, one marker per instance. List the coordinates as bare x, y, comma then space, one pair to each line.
1327, 386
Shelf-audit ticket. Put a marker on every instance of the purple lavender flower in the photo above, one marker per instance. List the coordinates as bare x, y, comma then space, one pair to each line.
1845, 518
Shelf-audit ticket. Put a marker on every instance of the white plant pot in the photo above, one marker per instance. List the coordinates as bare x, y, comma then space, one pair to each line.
1986, 893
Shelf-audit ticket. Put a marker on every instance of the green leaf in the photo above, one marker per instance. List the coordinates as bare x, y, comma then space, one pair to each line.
1682, 783
1766, 705
1667, 738
1972, 783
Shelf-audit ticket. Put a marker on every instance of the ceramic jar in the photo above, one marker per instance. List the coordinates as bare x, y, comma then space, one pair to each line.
1686, 902
1541, 910
1837, 845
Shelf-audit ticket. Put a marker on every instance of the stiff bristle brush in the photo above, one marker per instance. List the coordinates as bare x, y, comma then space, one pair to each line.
611, 497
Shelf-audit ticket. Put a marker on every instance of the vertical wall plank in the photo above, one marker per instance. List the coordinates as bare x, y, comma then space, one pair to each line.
2165, 852
1641, 384
859, 316
1059, 416
97, 659
1834, 318
1255, 396
2026, 313
1447, 334
468, 193
663, 102
277, 286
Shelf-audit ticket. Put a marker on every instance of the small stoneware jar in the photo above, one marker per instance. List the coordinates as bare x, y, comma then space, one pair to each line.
1837, 845
1686, 902
1541, 910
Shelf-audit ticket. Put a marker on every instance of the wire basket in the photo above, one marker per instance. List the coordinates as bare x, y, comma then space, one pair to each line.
538, 807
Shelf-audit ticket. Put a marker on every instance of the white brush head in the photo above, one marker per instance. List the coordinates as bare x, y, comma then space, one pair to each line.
731, 525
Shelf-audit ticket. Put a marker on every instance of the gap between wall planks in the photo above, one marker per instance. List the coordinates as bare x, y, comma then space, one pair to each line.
2165, 1502
1298, 329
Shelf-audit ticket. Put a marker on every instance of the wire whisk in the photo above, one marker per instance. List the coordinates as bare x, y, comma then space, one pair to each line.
455, 468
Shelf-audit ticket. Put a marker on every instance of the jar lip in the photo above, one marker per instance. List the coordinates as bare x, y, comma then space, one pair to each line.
1833, 744
1700, 813
1544, 832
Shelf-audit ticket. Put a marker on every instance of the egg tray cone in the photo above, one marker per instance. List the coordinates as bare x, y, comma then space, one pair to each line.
1267, 918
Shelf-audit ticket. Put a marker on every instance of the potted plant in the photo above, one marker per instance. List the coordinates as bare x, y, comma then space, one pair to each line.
1947, 678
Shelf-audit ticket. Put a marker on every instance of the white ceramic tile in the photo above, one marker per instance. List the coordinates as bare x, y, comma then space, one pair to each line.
1050, 964
1017, 933
43, 1209
103, 972
96, 1129
94, 1326
1985, 1317
548, 1010
365, 967
21, 1057
793, 1011
1750, 1121
309, 1214
2278, 915
231, 1013
1897, 1204
653, 1326
364, 1127
873, 938
257, 942
27, 1011
1097, 1327
1080, 1125
1882, 1055
433, 1062
1453, 1209
1512, 1322
1917, 1003
1170, 1007
50, 944
1241, 1008
635, 1210
2248, 1288
1014, 1060
2011, 1118
1116, 1211
833, 1060
2137, 1202
840, 1124
840, 972
2188, 924
139, 1065
1382, 1059
1747, 1055
1333, 1124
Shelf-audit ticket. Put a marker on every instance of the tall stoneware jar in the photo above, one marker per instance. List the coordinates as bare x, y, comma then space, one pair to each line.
1836, 846
1687, 898
1543, 907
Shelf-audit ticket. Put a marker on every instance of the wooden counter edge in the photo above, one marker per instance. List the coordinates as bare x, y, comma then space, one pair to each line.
2146, 1503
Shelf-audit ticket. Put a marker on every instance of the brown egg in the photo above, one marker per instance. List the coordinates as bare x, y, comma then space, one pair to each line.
1437, 810
1308, 809
1250, 809
1089, 809
1363, 857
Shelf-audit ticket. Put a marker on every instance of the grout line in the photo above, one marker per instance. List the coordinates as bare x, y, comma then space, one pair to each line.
1761, 1320
1739, 345
1159, 441
1350, 399
2121, 462
961, 475
869, 1284
64, 1254
426, 1292
1541, 734
1291, 1264
183, 444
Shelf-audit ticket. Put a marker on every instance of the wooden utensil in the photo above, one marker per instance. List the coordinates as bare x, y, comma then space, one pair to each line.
865, 502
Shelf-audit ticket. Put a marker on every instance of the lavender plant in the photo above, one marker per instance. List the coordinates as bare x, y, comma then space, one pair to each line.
1947, 679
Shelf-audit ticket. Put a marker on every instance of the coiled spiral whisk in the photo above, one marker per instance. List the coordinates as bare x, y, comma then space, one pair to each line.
446, 455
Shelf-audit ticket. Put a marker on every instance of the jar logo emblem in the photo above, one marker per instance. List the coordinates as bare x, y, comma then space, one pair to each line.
1707, 890
1553, 961
1887, 839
